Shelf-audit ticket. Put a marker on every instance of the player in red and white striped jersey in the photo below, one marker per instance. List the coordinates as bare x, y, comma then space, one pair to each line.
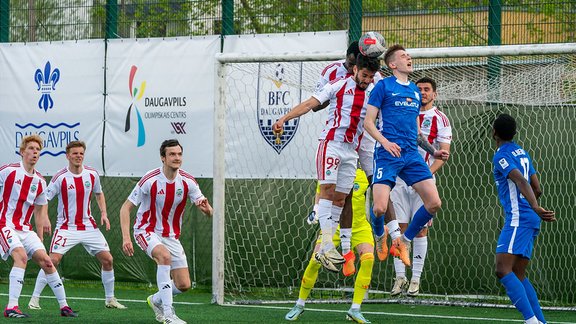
434, 126
22, 193
336, 158
339, 69
162, 194
74, 186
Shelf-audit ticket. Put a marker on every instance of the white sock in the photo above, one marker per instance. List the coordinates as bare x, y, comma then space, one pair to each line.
355, 306
325, 219
175, 291
393, 229
165, 288
108, 283
301, 302
400, 268
420, 248
345, 237
57, 286
335, 212
532, 320
16, 279
315, 209
40, 284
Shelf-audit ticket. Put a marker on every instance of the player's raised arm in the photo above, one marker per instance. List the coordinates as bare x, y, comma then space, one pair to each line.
127, 247
526, 190
370, 127
298, 110
101, 201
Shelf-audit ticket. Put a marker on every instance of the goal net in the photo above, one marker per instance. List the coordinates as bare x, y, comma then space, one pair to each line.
265, 184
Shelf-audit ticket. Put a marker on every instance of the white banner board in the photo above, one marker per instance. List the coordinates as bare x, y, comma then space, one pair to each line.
159, 89
54, 90
260, 93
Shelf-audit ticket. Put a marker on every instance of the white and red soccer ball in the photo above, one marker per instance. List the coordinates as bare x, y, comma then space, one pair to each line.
372, 44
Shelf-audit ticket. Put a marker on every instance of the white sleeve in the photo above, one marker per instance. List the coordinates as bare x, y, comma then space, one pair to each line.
97, 185
194, 193
53, 189
135, 196
325, 94
444, 131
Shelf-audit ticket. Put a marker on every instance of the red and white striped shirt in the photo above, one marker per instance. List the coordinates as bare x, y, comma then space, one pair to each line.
336, 71
74, 192
333, 71
346, 111
19, 192
162, 202
435, 126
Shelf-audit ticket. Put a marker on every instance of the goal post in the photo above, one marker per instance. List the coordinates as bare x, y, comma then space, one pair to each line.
264, 184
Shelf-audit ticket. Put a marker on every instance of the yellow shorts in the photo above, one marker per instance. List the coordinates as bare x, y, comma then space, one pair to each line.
359, 236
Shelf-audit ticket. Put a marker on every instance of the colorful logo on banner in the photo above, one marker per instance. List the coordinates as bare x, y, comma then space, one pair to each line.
136, 94
275, 100
46, 81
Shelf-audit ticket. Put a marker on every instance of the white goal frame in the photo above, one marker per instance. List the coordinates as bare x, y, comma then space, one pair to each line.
218, 227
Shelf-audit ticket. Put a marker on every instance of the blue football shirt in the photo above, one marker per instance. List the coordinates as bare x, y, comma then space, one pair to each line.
517, 210
399, 105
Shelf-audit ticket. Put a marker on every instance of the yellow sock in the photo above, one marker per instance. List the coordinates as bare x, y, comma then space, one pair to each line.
363, 278
309, 278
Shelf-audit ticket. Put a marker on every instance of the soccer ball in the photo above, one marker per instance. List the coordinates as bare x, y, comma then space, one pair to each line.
372, 44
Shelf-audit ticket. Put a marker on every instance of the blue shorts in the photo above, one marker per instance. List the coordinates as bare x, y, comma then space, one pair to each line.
410, 166
517, 241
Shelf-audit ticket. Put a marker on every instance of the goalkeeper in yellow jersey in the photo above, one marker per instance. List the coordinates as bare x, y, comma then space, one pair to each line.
362, 243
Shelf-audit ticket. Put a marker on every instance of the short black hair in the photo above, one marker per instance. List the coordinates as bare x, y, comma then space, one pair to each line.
370, 63
169, 143
353, 49
505, 127
427, 80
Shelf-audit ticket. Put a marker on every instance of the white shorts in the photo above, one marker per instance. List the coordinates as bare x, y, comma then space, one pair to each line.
406, 202
336, 163
92, 240
11, 239
147, 241
366, 153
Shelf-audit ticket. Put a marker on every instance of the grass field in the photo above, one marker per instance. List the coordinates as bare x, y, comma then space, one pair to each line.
195, 307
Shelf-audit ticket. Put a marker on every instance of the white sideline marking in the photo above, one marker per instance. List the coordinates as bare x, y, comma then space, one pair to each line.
398, 314
103, 299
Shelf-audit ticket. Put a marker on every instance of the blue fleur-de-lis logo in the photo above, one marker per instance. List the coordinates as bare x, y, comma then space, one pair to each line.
46, 82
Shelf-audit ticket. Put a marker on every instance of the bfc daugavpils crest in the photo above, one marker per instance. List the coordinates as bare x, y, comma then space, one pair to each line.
278, 92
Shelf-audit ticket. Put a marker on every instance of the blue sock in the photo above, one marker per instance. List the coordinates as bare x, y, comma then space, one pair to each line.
377, 223
533, 298
517, 294
421, 218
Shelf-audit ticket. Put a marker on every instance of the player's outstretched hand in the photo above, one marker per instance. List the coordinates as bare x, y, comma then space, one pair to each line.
278, 126
442, 155
104, 221
546, 215
127, 248
392, 148
205, 207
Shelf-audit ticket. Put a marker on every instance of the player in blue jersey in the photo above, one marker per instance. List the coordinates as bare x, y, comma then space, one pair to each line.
518, 191
395, 102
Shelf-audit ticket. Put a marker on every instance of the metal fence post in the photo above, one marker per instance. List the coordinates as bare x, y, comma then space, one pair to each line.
4, 21
355, 28
111, 19
494, 38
